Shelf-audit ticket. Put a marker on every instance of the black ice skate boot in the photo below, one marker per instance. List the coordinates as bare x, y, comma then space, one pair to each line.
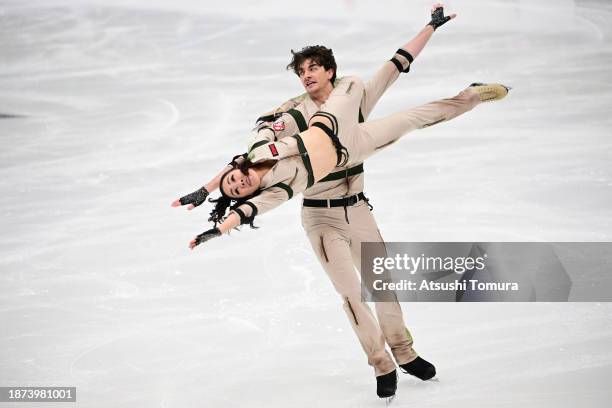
490, 92
386, 385
420, 368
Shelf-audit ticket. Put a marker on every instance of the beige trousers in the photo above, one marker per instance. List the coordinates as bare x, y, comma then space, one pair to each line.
337, 244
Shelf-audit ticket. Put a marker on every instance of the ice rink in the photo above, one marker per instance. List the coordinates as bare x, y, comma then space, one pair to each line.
110, 109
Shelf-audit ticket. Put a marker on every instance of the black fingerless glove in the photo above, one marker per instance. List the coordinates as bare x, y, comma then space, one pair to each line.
438, 18
196, 198
207, 236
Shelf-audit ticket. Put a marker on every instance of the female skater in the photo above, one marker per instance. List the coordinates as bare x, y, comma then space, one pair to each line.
273, 173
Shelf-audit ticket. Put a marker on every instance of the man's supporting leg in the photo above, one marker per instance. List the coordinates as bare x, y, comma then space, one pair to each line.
363, 228
331, 246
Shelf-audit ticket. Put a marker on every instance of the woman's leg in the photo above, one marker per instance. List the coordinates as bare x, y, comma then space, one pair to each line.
377, 134
380, 133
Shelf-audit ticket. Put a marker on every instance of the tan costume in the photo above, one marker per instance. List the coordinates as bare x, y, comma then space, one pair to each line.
336, 233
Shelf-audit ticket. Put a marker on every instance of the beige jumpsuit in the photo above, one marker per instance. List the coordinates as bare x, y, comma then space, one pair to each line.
336, 233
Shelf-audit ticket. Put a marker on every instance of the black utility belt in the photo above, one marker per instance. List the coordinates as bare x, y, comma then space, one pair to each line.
335, 202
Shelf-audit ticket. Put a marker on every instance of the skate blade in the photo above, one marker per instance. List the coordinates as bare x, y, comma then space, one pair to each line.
434, 379
389, 400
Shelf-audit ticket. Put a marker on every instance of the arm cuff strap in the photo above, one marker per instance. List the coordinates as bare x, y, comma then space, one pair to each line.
249, 220
397, 64
241, 215
404, 54
243, 218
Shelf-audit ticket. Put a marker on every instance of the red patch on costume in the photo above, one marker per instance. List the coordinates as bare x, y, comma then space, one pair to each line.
273, 150
278, 125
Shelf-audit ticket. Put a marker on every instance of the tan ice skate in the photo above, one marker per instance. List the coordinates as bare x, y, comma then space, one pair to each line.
490, 92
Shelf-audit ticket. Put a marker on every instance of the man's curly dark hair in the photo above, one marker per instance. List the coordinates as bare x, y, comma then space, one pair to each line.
318, 53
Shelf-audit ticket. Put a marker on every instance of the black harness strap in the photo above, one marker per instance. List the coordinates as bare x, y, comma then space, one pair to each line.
341, 152
338, 175
257, 144
285, 187
328, 116
299, 119
305, 159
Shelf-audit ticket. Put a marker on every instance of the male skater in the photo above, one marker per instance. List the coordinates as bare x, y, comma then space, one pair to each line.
336, 214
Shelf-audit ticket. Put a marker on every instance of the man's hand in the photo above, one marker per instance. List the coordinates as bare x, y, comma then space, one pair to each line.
205, 236
437, 16
193, 199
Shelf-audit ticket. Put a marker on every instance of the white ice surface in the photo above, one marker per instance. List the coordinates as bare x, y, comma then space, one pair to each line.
128, 104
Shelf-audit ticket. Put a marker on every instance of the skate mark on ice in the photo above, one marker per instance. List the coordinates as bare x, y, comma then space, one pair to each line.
175, 115
214, 35
230, 30
94, 348
11, 116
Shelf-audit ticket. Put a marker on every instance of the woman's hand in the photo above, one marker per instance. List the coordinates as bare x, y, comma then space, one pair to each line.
193, 199
205, 236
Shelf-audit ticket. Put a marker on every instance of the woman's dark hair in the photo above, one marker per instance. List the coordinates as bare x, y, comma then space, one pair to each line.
224, 202
318, 53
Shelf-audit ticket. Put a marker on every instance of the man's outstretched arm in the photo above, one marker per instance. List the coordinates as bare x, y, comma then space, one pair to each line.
416, 45
401, 61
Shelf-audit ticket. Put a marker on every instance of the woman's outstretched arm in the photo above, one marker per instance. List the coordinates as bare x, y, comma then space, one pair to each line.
198, 197
231, 222
246, 212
